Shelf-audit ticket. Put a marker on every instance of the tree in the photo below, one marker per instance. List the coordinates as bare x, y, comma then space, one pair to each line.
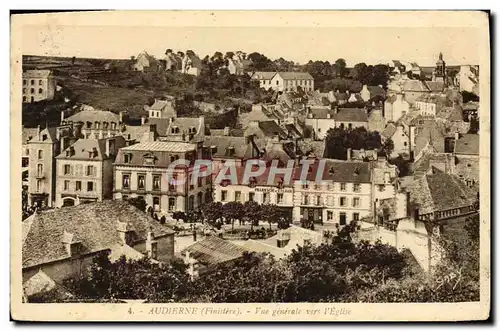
387, 147
73, 59
469, 96
178, 215
270, 214
340, 68
253, 213
402, 164
129, 279
338, 140
232, 211
212, 211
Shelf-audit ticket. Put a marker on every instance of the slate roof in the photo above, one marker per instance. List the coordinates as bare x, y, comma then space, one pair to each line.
389, 130
28, 133
93, 224
376, 91
351, 115
165, 106
340, 171
161, 125
40, 284
37, 73
322, 113
290, 75
262, 247
82, 148
135, 132
161, 146
213, 250
435, 86
271, 129
412, 85
453, 114
242, 149
467, 144
94, 116
50, 134
439, 191
263, 75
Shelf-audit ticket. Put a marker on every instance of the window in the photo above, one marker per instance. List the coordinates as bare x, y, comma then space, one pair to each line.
25, 99
318, 200
40, 90
141, 182
405, 144
305, 186
280, 198
32, 90
90, 170
66, 185
24, 90
200, 182
90, 186
40, 82
113, 125
251, 196
342, 186
355, 216
342, 219
78, 185
356, 187
265, 197
381, 188
190, 179
329, 215
305, 200
331, 200
355, 202
237, 196
39, 169
67, 169
171, 204
32, 82
223, 195
343, 201
317, 186
126, 158
126, 181
156, 182
40, 154
39, 185
24, 82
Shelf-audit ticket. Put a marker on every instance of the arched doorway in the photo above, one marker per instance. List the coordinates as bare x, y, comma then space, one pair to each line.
68, 202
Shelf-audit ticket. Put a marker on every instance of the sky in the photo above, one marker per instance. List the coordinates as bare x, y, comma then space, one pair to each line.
373, 45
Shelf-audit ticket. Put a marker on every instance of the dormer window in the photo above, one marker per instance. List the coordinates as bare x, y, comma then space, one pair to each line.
127, 158
149, 159
97, 125
113, 125
230, 151
105, 125
252, 182
89, 124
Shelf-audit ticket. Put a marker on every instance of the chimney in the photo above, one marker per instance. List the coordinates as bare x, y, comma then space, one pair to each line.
125, 233
349, 151
151, 245
62, 142
108, 147
399, 96
38, 131
62, 116
226, 131
71, 244
121, 117
457, 135
143, 120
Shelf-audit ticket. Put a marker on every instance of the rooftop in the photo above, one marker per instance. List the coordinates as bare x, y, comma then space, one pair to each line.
162, 146
351, 115
467, 144
213, 250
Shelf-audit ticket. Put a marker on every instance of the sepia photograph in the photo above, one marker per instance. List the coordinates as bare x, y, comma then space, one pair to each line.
250, 165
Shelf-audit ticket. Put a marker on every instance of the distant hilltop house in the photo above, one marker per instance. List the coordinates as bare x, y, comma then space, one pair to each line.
145, 62
238, 64
191, 64
284, 81
38, 85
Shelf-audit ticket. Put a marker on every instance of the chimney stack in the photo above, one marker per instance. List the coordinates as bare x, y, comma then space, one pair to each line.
151, 245
349, 151
125, 233
226, 131
38, 131
121, 117
62, 116
457, 135
143, 120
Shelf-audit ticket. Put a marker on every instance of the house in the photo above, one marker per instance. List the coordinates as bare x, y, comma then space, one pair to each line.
376, 120
413, 89
350, 118
428, 135
396, 107
38, 85
265, 131
370, 92
468, 79
284, 81
144, 62
191, 64
343, 193
321, 120
151, 170
84, 171
62, 242
466, 152
384, 178
94, 123
227, 148
259, 113
162, 109
210, 252
173, 62
431, 104
28, 134
40, 286
238, 64
400, 137
362, 154
452, 119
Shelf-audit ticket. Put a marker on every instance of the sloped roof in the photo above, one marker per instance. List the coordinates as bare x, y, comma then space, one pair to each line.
94, 224
83, 147
136, 132
376, 91
49, 133
451, 113
263, 75
435, 86
389, 130
165, 106
213, 250
28, 133
340, 171
322, 113
94, 116
242, 149
288, 75
263, 247
271, 129
412, 85
40, 283
162, 146
118, 250
351, 115
467, 144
